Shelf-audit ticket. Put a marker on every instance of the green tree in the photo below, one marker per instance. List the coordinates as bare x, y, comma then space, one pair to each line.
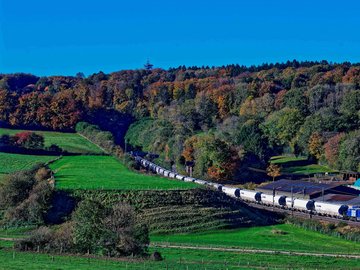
349, 153
89, 228
282, 126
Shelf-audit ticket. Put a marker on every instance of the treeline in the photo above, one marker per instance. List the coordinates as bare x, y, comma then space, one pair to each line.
189, 113
28, 142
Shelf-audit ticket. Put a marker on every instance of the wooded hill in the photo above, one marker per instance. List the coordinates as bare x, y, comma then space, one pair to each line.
225, 118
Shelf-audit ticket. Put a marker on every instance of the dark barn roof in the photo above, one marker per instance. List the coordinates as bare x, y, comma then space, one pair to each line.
297, 187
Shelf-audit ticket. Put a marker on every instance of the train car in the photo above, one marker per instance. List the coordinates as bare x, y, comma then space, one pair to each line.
289, 202
330, 209
189, 179
180, 177
267, 199
304, 205
233, 192
166, 173
250, 195
216, 186
200, 182
172, 175
280, 200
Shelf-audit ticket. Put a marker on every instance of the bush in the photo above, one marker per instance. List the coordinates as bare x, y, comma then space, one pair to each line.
156, 256
25, 196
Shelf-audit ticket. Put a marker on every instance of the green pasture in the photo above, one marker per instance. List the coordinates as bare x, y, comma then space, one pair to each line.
71, 142
285, 159
106, 172
284, 237
174, 259
15, 162
288, 164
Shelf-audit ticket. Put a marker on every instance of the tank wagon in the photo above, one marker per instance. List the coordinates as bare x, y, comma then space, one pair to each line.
282, 201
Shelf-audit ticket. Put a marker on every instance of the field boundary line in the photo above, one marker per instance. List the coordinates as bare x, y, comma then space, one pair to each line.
265, 251
106, 152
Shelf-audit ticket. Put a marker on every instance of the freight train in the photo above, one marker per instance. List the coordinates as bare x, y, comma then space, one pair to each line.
281, 201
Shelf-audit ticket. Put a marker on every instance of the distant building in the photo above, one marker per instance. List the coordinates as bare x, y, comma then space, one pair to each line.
306, 190
350, 200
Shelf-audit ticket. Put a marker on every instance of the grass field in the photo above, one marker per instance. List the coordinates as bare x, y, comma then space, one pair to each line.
175, 259
278, 237
70, 142
14, 162
308, 169
292, 164
285, 159
105, 172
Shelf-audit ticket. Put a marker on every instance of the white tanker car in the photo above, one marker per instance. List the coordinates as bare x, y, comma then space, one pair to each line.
310, 206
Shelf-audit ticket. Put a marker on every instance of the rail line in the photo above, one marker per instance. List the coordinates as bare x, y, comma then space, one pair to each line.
295, 213
299, 207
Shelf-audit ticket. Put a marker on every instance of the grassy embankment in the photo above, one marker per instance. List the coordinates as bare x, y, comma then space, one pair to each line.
289, 165
106, 172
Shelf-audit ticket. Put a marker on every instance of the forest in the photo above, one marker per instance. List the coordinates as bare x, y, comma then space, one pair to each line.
226, 119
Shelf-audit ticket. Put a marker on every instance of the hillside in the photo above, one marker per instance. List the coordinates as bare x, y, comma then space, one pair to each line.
106, 172
85, 167
190, 113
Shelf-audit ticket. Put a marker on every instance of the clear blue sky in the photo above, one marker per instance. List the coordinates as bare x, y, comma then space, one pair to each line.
48, 37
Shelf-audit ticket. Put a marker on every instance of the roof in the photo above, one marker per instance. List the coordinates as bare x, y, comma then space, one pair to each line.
301, 187
357, 183
337, 198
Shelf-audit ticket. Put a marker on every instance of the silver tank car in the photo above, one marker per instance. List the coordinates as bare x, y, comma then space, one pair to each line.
180, 177
189, 179
280, 200
250, 195
330, 209
304, 205
267, 199
233, 192
200, 182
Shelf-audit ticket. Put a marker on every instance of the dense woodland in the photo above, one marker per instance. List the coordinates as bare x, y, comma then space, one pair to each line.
223, 118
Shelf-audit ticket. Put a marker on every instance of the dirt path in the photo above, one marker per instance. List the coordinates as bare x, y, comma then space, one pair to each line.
9, 239
265, 251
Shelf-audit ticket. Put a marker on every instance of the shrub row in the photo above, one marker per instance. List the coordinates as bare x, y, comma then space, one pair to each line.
338, 230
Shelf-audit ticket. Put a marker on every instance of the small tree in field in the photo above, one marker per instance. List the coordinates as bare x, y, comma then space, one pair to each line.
274, 171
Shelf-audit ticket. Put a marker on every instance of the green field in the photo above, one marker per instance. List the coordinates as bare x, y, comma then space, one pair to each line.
284, 159
175, 259
71, 142
14, 162
308, 169
284, 237
289, 165
105, 172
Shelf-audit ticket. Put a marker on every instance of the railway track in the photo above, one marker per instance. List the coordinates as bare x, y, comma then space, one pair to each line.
252, 197
295, 213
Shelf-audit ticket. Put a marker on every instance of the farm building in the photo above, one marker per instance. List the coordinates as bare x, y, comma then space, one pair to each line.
306, 190
350, 200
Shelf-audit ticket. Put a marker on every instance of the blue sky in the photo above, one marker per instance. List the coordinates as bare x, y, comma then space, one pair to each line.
46, 37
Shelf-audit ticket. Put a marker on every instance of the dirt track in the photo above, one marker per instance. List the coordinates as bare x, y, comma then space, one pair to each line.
264, 251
